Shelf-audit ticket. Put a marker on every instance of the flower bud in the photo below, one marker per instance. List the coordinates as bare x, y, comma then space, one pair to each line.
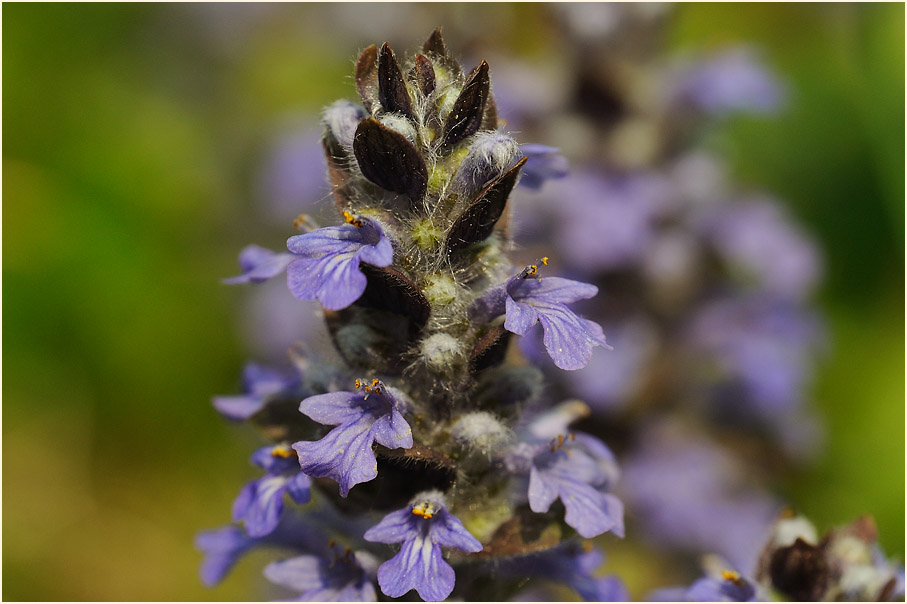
399, 123
481, 432
490, 155
341, 119
441, 351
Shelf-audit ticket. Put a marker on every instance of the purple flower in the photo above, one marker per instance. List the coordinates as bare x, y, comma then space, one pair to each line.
689, 494
363, 417
729, 587
732, 82
259, 385
763, 346
345, 577
423, 528
611, 378
576, 470
605, 222
574, 565
326, 264
757, 240
223, 547
259, 264
260, 503
545, 163
568, 338
292, 176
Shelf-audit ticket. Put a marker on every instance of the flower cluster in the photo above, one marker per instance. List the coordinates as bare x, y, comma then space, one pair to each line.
425, 436
431, 453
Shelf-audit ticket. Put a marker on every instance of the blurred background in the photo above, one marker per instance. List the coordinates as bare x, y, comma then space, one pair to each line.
144, 145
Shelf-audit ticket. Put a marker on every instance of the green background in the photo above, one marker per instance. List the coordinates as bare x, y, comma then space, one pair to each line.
131, 135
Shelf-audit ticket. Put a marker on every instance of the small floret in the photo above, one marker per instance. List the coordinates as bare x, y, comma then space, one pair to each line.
368, 415
423, 528
260, 503
326, 261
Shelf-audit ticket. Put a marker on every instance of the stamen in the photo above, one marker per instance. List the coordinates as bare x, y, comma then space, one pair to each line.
350, 219
424, 509
282, 451
358, 384
545, 260
733, 577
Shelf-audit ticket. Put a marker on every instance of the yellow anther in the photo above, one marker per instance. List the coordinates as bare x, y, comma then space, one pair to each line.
358, 384
331, 543
732, 576
350, 219
545, 260
375, 382
533, 269
425, 510
282, 451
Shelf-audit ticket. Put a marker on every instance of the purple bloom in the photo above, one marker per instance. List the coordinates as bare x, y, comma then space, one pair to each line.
612, 378
345, 577
362, 418
260, 503
574, 565
259, 264
326, 265
729, 587
568, 338
691, 495
423, 528
545, 163
292, 177
761, 243
259, 385
732, 82
223, 547
605, 222
761, 345
576, 470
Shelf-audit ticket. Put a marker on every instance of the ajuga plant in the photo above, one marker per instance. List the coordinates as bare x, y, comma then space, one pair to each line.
420, 454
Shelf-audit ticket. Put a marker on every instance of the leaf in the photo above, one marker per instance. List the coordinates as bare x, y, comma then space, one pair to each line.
389, 160
390, 290
424, 74
466, 115
367, 77
435, 43
392, 91
477, 221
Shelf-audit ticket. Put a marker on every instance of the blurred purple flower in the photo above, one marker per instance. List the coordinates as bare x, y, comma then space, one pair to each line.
688, 494
764, 346
545, 163
344, 577
260, 503
259, 264
612, 377
423, 528
259, 384
292, 178
757, 239
605, 222
731, 82
572, 564
729, 587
